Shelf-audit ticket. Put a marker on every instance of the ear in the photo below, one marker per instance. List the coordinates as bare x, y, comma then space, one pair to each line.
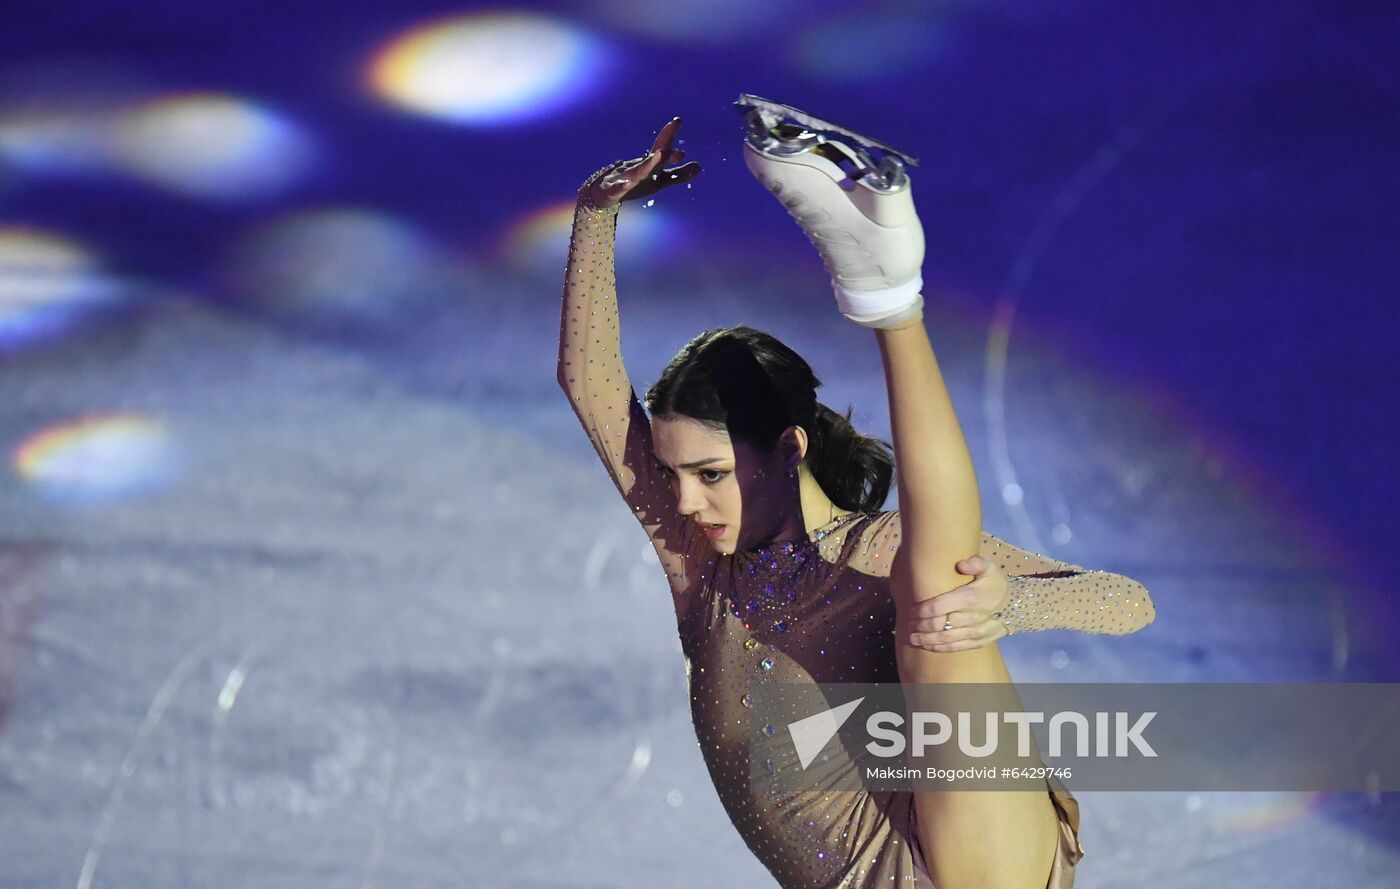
792, 445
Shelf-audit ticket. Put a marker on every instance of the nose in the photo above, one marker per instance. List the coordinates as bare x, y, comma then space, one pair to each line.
688, 499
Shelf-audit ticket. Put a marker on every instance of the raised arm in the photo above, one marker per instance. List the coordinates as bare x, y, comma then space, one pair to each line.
590, 368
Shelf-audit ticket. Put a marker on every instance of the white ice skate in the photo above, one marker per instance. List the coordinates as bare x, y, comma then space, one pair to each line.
851, 196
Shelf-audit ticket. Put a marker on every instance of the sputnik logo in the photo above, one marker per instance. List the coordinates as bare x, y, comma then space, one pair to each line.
810, 734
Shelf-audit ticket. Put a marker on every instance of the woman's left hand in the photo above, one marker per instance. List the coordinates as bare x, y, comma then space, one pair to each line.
642, 176
968, 610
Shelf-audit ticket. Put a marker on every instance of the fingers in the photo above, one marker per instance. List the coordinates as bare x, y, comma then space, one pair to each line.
649, 165
629, 180
661, 151
945, 622
641, 179
683, 173
663, 178
958, 638
655, 166
974, 565
641, 166
963, 598
981, 594
666, 135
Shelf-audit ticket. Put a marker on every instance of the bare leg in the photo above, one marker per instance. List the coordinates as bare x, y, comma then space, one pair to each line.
970, 839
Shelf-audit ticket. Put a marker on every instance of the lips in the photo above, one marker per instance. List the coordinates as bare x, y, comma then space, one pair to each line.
711, 531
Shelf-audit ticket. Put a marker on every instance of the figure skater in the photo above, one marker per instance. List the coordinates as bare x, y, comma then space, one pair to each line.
764, 506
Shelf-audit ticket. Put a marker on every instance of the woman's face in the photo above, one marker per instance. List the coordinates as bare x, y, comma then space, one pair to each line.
735, 493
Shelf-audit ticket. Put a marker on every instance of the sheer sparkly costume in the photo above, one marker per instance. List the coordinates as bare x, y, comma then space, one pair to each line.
819, 610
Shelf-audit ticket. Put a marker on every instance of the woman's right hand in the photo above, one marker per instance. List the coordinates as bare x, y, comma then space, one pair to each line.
643, 176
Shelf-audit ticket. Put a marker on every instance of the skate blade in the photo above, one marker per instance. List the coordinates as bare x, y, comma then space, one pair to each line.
780, 130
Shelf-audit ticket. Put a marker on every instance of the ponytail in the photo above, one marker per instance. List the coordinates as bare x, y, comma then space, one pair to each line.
854, 470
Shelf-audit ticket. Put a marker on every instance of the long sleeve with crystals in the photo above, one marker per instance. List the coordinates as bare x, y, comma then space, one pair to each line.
1047, 594
1042, 593
593, 377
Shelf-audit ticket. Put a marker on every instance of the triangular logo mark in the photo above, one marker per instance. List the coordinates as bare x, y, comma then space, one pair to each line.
809, 735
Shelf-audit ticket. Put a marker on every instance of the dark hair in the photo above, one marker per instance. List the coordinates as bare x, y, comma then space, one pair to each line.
750, 384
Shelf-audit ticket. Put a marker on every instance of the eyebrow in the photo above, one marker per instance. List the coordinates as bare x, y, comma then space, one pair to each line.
696, 464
